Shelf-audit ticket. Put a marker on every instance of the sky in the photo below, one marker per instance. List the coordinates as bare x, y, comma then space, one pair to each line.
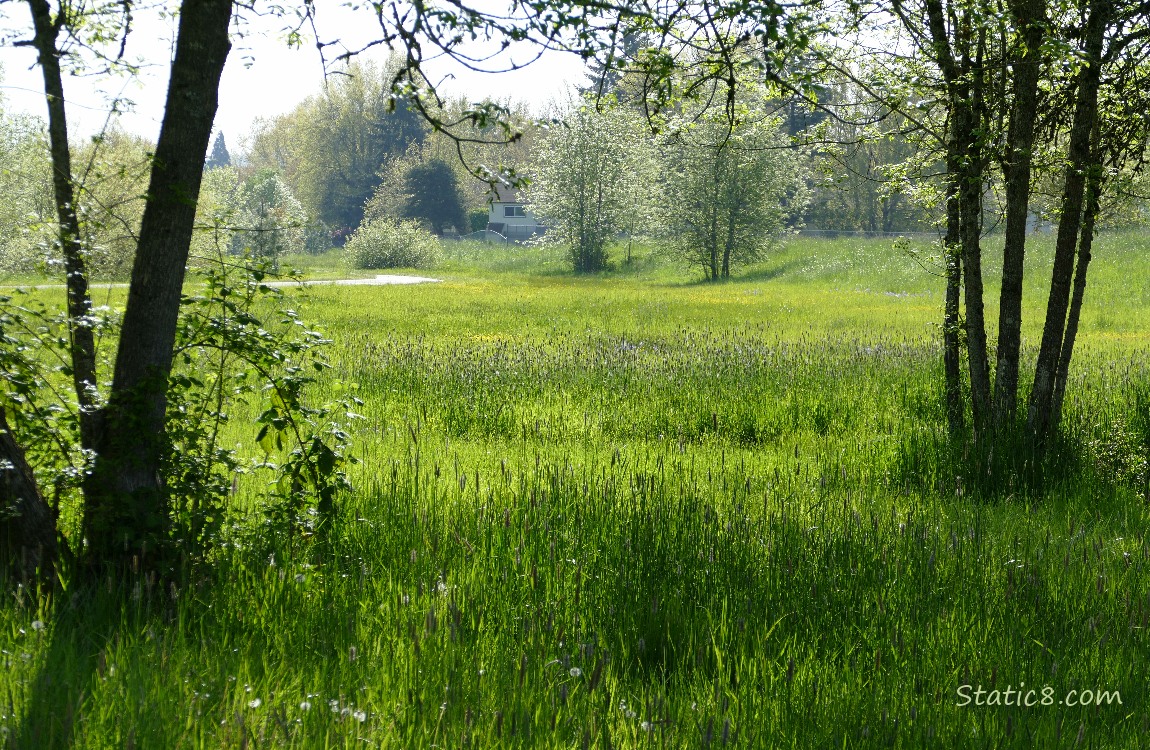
263, 76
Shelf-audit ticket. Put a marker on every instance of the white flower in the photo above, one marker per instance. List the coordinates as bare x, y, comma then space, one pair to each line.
255, 703
304, 705
576, 672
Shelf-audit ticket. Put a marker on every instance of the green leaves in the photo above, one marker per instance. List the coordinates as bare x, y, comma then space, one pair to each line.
234, 356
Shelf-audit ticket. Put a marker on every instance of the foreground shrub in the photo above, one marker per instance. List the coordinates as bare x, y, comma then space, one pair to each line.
391, 243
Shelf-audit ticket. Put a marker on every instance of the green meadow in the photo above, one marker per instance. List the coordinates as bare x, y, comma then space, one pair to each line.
637, 510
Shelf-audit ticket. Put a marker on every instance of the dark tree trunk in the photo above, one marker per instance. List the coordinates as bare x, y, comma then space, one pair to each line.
83, 344
1029, 17
713, 239
965, 169
952, 253
1093, 192
126, 514
27, 524
1070, 226
729, 245
968, 119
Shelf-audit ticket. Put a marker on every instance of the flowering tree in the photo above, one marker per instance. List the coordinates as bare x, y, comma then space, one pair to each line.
592, 177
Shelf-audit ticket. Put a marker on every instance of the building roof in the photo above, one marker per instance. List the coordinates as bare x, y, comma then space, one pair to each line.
506, 194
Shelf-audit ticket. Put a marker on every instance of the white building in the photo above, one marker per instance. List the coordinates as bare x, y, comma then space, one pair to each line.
509, 218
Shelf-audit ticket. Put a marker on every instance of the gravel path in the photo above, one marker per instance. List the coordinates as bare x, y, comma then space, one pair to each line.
380, 280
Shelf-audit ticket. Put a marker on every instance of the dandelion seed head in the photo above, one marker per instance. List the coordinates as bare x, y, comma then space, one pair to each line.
576, 672
304, 705
255, 703
37, 625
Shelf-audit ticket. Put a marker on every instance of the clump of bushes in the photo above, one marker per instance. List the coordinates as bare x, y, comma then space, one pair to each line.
391, 243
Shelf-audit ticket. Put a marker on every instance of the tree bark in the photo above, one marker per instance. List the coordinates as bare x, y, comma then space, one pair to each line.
83, 344
1094, 192
965, 168
1029, 17
729, 243
126, 514
952, 254
1070, 225
27, 525
968, 119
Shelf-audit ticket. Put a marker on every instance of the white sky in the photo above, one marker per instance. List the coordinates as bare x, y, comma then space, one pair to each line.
263, 77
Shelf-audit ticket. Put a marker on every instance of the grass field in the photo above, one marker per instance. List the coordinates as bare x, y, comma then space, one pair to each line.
636, 510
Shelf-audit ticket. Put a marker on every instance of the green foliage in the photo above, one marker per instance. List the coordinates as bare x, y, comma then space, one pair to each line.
112, 173
478, 219
873, 177
229, 353
331, 147
392, 243
36, 391
434, 197
272, 222
733, 187
27, 213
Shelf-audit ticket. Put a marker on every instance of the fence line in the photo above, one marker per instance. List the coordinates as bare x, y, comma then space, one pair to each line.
863, 234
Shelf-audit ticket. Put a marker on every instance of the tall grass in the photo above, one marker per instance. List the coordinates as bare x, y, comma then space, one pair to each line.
638, 511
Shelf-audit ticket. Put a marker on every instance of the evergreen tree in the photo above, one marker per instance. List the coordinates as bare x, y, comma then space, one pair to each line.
219, 156
605, 71
433, 196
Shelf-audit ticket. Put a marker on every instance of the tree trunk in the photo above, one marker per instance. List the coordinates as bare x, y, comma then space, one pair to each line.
729, 243
952, 252
713, 240
1094, 192
126, 513
965, 166
83, 344
27, 525
1070, 226
1029, 18
968, 119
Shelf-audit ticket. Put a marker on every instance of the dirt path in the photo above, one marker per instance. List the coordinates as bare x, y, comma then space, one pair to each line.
380, 280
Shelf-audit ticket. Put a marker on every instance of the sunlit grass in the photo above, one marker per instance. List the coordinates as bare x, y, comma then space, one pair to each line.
636, 510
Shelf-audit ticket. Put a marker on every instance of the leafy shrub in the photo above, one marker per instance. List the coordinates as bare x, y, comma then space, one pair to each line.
391, 243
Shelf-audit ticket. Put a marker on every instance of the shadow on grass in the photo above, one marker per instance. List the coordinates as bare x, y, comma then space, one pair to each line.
85, 624
757, 274
1009, 466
